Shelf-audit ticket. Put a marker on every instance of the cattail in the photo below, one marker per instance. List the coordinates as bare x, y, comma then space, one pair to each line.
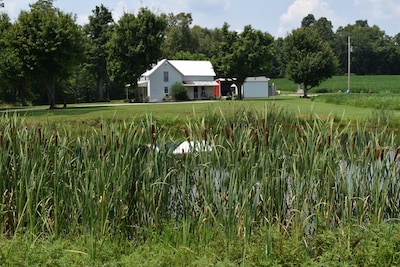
263, 124
231, 135
205, 134
100, 151
227, 132
382, 152
267, 138
56, 140
329, 141
377, 153
117, 143
40, 135
396, 153
298, 130
101, 127
186, 134
353, 144
319, 145
255, 135
153, 133
367, 150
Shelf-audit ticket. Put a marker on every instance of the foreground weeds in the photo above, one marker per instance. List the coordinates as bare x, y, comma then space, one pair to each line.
252, 188
375, 245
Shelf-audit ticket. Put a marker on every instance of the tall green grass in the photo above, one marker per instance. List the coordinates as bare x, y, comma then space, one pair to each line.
266, 170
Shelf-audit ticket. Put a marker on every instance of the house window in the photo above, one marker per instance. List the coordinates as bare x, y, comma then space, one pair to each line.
166, 76
166, 91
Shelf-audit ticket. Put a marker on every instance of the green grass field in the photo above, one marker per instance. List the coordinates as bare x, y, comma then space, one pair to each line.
310, 182
177, 113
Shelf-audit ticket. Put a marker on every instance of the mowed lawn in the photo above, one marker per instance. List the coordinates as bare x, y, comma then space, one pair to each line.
92, 114
174, 112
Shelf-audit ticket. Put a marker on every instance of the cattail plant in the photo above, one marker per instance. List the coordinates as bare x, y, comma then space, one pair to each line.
254, 171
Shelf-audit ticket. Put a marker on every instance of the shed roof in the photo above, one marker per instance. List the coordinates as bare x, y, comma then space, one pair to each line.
257, 79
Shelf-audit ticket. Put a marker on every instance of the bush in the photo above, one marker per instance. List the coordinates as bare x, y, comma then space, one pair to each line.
179, 92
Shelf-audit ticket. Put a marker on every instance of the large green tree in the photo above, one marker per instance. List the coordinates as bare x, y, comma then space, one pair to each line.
135, 45
48, 42
310, 60
278, 61
178, 37
98, 32
369, 48
10, 66
248, 53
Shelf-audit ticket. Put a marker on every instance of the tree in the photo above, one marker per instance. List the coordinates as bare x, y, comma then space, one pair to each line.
48, 42
10, 66
323, 26
368, 53
278, 61
224, 50
99, 31
246, 54
135, 45
178, 37
310, 60
308, 21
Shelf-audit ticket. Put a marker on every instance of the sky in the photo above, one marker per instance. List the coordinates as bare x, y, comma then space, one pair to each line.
277, 17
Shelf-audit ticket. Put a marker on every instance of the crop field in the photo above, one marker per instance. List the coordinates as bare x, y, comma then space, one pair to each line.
380, 84
259, 187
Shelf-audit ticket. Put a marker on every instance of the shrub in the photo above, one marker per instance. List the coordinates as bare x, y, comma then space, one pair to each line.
179, 92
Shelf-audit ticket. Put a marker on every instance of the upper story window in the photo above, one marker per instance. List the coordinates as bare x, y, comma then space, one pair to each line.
166, 76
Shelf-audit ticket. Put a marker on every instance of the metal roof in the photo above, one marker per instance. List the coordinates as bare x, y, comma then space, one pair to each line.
257, 79
187, 67
194, 67
200, 83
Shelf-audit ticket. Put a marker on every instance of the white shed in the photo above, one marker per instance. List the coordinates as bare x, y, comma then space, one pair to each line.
256, 87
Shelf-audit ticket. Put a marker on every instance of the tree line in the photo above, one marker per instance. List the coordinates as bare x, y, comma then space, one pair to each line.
46, 57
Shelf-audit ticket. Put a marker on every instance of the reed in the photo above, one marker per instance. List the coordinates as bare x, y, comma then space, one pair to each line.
266, 169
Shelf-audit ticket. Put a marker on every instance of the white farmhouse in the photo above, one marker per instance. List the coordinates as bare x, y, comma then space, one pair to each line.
196, 75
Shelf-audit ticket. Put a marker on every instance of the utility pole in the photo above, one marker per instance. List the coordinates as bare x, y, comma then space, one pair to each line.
348, 63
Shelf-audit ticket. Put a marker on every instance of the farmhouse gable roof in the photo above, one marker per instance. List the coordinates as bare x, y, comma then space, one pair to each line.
187, 67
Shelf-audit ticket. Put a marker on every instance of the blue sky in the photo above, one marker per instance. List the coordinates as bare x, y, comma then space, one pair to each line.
277, 17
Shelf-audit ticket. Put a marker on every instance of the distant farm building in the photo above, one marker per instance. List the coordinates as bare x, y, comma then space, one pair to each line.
257, 87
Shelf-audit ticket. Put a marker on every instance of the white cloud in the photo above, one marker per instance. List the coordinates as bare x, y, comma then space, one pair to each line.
13, 8
385, 10
301, 8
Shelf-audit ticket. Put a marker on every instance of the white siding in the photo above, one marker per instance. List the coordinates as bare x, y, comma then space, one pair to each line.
178, 71
157, 83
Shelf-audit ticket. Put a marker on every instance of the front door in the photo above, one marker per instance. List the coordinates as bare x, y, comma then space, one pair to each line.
196, 92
